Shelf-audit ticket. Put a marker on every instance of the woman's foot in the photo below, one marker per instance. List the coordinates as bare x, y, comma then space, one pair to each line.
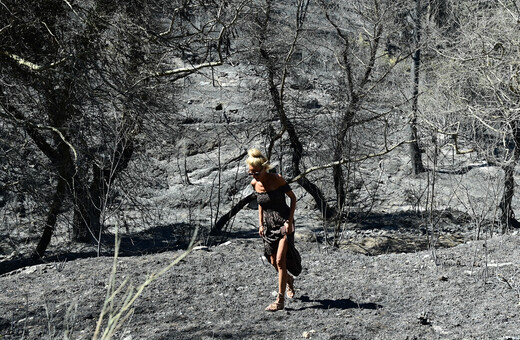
290, 287
277, 305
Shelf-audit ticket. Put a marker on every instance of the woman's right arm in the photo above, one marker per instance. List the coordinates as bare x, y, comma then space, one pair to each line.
260, 221
260, 213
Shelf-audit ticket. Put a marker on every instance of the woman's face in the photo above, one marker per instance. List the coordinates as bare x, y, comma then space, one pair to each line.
256, 172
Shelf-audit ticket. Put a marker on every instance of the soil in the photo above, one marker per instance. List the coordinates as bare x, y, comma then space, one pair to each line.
469, 291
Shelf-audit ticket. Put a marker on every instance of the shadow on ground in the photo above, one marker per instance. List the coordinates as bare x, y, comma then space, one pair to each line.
151, 241
411, 231
334, 304
413, 221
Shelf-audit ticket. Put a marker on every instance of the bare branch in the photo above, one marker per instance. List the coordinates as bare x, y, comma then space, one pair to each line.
185, 71
453, 135
34, 67
509, 11
348, 160
38, 138
5, 28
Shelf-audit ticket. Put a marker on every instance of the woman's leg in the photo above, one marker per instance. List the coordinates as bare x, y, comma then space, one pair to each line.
281, 265
290, 286
273, 262
290, 280
279, 262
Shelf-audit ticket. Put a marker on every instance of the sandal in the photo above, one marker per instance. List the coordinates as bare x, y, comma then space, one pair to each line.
290, 287
277, 305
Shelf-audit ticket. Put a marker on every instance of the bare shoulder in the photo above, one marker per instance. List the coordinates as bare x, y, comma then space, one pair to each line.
280, 180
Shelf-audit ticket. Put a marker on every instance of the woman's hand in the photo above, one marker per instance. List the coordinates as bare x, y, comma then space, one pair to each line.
261, 231
289, 227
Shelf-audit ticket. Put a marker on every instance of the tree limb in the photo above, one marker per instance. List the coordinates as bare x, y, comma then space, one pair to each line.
343, 161
32, 66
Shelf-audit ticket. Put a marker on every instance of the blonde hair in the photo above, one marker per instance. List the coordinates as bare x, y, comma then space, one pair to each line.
257, 159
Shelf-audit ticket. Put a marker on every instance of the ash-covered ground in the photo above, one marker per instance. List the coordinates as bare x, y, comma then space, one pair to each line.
470, 291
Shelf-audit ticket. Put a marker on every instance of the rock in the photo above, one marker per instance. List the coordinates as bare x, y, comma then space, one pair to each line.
308, 334
312, 104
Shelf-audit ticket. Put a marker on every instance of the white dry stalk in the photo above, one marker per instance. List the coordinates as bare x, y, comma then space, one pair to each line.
511, 284
117, 316
50, 327
70, 320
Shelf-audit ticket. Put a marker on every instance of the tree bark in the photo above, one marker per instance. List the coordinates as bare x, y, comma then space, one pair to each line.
52, 215
90, 203
339, 151
507, 217
415, 151
224, 219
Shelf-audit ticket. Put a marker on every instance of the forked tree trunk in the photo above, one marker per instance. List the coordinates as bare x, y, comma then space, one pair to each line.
90, 203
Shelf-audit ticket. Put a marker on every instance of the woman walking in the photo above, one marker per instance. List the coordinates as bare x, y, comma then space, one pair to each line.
276, 224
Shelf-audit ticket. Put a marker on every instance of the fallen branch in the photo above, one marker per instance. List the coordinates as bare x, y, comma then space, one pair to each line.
223, 220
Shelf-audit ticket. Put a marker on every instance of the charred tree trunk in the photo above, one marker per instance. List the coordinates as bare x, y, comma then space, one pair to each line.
87, 222
224, 219
82, 227
339, 152
508, 218
355, 91
415, 151
339, 178
52, 215
91, 202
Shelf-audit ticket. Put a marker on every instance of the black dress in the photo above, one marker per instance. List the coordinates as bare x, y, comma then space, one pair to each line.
275, 213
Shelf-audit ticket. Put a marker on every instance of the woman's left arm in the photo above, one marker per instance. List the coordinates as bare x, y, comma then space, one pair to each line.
292, 196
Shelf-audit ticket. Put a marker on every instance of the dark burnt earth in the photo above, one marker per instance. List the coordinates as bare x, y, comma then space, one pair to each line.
469, 291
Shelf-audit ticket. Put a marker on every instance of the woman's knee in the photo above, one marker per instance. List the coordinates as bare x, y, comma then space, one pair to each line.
280, 262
